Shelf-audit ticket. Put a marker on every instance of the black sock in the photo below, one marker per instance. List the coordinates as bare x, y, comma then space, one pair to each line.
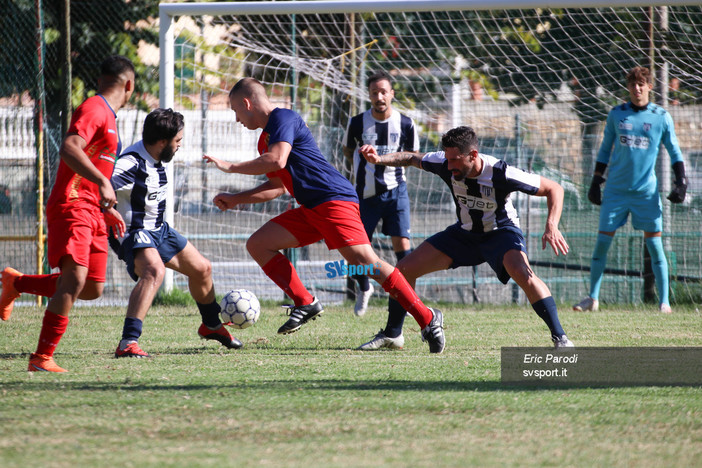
210, 314
132, 329
546, 309
363, 283
396, 313
396, 318
402, 254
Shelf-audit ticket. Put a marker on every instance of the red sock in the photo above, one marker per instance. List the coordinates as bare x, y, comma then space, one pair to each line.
281, 271
39, 285
52, 329
397, 286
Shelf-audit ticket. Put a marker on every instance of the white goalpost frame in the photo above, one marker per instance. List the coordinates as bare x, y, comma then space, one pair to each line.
166, 100
386, 6
167, 12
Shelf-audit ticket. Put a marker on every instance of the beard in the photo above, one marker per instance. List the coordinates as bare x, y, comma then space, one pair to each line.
166, 154
380, 106
459, 175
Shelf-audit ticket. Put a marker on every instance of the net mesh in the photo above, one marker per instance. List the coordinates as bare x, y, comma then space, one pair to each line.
535, 84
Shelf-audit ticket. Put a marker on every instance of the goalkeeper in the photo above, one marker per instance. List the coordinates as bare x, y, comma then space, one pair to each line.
632, 137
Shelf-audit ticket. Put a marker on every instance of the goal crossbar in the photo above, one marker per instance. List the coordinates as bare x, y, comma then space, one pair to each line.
387, 6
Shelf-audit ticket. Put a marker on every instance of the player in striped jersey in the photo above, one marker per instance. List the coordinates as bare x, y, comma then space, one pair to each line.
487, 229
150, 244
632, 139
381, 190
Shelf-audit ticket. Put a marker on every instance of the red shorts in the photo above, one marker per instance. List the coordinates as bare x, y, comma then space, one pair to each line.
79, 232
337, 222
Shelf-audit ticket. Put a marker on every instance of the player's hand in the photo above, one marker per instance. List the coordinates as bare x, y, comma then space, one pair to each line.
370, 154
108, 199
219, 164
555, 239
225, 201
677, 195
114, 220
595, 192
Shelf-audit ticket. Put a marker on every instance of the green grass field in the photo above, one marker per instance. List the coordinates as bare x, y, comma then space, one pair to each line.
310, 399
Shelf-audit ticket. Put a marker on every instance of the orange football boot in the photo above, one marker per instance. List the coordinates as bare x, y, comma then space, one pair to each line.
43, 363
9, 293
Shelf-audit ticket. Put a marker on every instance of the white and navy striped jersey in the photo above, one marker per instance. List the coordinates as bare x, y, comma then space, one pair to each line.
397, 133
140, 183
483, 203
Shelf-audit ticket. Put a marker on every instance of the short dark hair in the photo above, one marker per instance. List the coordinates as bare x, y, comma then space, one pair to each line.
379, 76
162, 124
249, 86
637, 74
463, 138
114, 65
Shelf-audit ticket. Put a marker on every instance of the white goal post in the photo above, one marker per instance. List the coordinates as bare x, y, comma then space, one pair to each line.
534, 78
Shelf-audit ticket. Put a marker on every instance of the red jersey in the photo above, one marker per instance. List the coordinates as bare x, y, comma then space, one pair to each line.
95, 122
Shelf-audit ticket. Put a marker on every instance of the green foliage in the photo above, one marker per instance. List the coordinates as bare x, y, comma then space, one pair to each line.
483, 79
175, 297
17, 46
98, 28
685, 294
191, 76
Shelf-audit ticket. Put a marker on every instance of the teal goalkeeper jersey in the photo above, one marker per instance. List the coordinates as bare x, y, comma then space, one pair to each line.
630, 147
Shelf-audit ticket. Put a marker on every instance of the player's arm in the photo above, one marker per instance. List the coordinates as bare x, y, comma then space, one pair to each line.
220, 164
348, 143
670, 141
122, 180
554, 202
272, 188
273, 160
72, 152
399, 159
677, 195
348, 153
608, 138
115, 221
594, 194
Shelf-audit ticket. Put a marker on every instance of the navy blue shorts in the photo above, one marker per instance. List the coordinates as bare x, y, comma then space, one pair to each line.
166, 240
471, 249
392, 207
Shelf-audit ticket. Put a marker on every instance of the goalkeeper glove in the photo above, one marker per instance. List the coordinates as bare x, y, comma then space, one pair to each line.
595, 193
677, 195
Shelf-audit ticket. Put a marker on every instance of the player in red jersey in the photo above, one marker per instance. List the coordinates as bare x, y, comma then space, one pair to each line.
292, 161
77, 236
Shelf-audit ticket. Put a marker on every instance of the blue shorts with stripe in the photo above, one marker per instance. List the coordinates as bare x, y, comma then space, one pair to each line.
392, 207
474, 248
166, 240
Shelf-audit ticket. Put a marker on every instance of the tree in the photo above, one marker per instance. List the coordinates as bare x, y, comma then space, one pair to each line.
17, 47
98, 28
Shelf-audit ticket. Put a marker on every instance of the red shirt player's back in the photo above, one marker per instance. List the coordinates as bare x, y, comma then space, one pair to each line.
95, 122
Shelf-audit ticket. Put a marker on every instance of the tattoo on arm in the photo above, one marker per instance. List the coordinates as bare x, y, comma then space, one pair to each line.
401, 159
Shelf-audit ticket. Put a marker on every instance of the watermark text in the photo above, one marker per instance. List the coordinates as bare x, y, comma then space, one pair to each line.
340, 268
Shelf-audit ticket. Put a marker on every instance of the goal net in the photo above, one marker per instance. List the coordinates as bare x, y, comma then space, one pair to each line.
535, 83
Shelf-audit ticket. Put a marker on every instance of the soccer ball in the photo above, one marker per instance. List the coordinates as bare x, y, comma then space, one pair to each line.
240, 308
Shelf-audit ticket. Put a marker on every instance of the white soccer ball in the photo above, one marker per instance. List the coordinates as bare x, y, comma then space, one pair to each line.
240, 308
